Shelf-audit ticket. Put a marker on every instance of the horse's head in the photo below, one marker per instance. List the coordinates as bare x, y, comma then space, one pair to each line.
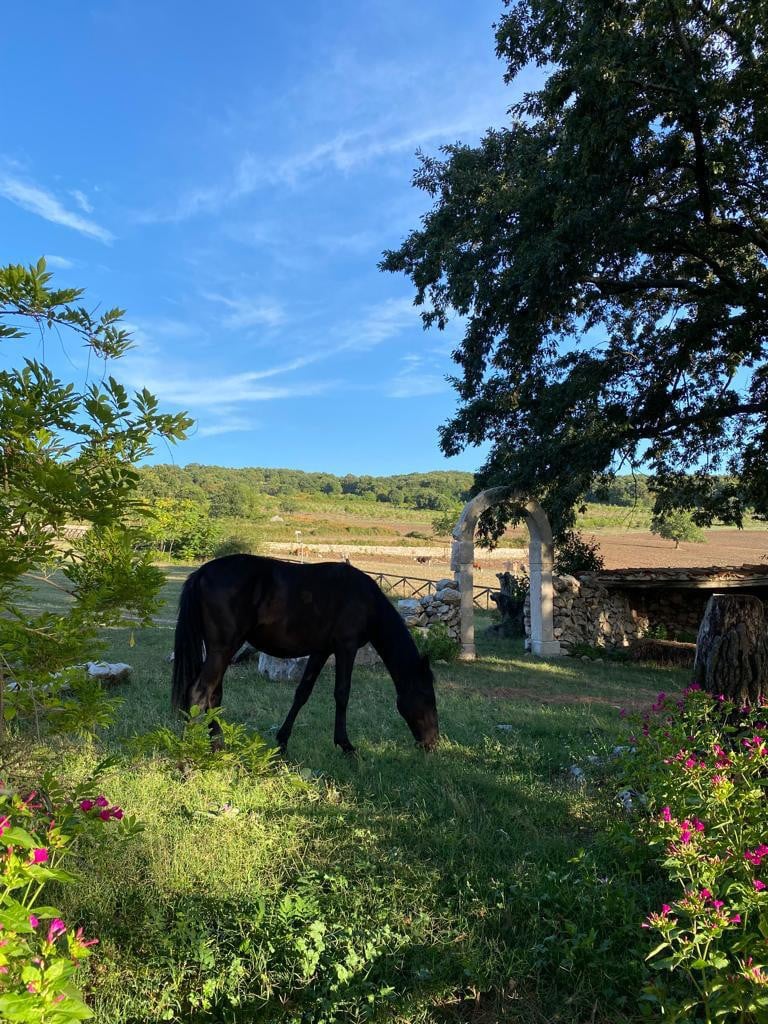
418, 707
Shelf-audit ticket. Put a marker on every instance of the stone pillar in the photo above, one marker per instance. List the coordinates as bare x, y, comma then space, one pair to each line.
540, 554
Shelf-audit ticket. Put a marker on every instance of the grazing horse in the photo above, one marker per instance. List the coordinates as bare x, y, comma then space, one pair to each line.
290, 611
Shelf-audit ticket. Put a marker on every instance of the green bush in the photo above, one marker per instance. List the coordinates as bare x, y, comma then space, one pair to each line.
241, 543
700, 763
437, 643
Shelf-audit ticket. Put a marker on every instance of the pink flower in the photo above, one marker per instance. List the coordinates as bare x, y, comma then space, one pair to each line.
31, 988
5, 823
759, 886
101, 801
39, 855
56, 928
86, 805
666, 814
665, 909
104, 815
117, 812
3, 969
705, 894
79, 937
698, 825
33, 921
717, 904
736, 919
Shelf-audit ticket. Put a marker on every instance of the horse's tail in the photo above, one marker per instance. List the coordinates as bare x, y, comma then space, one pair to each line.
188, 643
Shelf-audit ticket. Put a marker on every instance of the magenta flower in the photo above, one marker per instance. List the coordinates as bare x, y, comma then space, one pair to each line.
705, 894
56, 928
33, 921
665, 909
104, 815
666, 814
698, 825
759, 886
736, 919
39, 855
31, 988
717, 904
86, 805
117, 812
5, 823
101, 801
80, 937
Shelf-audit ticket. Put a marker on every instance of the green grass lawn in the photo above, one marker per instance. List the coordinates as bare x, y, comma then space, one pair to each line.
472, 884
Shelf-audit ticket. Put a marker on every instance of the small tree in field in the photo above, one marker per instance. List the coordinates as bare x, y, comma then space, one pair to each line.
677, 525
67, 456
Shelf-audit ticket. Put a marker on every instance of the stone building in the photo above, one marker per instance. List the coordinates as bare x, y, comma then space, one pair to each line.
613, 607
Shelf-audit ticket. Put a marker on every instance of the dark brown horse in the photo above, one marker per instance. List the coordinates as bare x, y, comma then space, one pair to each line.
290, 611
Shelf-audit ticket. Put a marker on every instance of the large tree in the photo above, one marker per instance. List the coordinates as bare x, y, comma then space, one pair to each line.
608, 251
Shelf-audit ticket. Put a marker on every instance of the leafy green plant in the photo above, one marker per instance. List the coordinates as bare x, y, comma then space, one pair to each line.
677, 524
39, 830
702, 763
244, 541
437, 643
243, 749
574, 554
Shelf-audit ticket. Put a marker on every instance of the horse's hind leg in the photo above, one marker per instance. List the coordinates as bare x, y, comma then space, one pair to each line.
206, 692
345, 659
312, 670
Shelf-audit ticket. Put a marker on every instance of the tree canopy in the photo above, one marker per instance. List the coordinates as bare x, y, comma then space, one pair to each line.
608, 252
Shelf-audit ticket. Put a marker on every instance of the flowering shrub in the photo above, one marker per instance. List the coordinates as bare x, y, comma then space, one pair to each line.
703, 766
39, 961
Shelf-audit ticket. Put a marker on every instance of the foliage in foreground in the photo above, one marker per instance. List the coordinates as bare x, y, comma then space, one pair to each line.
702, 764
39, 831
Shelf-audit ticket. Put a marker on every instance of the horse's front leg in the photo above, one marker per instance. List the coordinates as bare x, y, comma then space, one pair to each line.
312, 670
345, 660
206, 692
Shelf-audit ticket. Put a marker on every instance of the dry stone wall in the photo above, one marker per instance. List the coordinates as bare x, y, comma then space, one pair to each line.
586, 612
442, 606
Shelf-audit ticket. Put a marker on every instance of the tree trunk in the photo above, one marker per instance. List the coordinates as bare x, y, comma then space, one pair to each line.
510, 601
732, 648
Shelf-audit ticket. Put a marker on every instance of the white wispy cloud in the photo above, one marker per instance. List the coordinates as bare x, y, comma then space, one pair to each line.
59, 262
245, 312
415, 385
82, 200
344, 152
44, 204
418, 377
379, 323
225, 425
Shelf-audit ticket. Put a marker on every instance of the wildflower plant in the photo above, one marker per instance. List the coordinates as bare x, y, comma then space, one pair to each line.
40, 953
702, 764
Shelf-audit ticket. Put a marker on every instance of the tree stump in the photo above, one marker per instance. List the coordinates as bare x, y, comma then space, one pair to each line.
732, 648
510, 601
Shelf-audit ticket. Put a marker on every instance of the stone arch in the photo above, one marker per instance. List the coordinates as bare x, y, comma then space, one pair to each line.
540, 554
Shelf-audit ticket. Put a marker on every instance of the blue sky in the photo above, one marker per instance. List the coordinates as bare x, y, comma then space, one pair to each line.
230, 174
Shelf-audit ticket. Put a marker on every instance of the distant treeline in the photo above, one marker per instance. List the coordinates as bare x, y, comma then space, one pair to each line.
241, 492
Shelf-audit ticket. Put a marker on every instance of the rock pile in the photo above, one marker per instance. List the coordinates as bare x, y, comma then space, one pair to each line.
442, 606
290, 670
